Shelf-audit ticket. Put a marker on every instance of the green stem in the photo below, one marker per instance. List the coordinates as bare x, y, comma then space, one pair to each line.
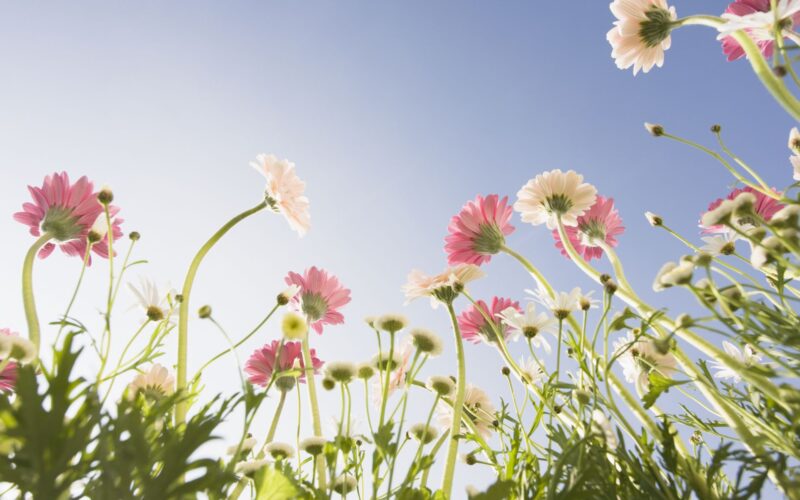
27, 290
275, 418
458, 405
312, 397
183, 317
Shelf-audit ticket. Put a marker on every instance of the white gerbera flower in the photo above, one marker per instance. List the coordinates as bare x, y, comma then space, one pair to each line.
313, 445
528, 324
284, 192
427, 342
250, 467
156, 305
154, 383
641, 357
760, 26
747, 356
341, 371
722, 244
440, 287
441, 384
478, 408
555, 194
641, 33
562, 304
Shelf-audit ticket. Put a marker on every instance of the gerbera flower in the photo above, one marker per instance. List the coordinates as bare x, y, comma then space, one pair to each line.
155, 383
155, 305
478, 231
562, 304
284, 192
756, 19
764, 206
601, 223
8, 376
474, 326
440, 287
641, 33
528, 324
723, 244
67, 212
531, 370
320, 297
639, 357
747, 356
478, 408
261, 364
555, 194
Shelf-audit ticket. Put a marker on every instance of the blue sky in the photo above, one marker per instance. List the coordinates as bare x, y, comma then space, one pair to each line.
396, 113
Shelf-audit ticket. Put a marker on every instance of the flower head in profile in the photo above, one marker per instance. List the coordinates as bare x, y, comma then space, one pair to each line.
443, 287
156, 305
561, 304
553, 195
284, 191
641, 33
601, 224
478, 408
14, 347
529, 324
794, 147
68, 212
531, 370
747, 356
320, 298
641, 356
720, 244
476, 328
8, 376
764, 206
479, 230
263, 362
758, 21
155, 383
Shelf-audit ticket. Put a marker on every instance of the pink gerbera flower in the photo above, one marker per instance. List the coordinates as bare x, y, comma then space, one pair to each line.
736, 14
67, 212
601, 223
8, 376
261, 364
764, 206
479, 230
474, 327
319, 298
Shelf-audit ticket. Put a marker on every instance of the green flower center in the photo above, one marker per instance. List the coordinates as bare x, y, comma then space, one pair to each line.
61, 224
558, 203
489, 241
656, 28
593, 230
314, 306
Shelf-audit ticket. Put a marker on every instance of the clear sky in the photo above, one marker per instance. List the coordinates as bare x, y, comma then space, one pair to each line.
396, 113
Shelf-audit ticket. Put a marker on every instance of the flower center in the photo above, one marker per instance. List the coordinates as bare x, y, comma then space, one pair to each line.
592, 231
314, 306
558, 203
530, 332
656, 28
61, 224
489, 241
154, 313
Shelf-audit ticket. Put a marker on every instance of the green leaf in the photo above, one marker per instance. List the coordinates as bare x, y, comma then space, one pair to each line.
658, 385
271, 484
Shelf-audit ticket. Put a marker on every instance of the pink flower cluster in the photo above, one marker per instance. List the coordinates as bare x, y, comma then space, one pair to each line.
476, 328
263, 362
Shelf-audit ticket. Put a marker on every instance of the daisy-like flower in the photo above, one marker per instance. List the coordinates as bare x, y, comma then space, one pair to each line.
156, 305
284, 191
641, 357
600, 224
15, 347
320, 297
478, 408
641, 33
345, 484
250, 467
555, 194
443, 287
261, 364
602, 426
748, 357
794, 147
476, 328
672, 274
441, 385
764, 206
248, 444
341, 371
425, 434
8, 376
479, 230
721, 244
758, 21
529, 324
531, 370
427, 342
279, 450
314, 445
67, 212
562, 304
155, 383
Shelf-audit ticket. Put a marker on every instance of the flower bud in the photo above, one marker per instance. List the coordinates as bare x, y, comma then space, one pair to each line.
105, 196
654, 129
653, 219
204, 312
134, 235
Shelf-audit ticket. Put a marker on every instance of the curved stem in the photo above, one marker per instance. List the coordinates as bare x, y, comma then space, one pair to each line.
27, 290
458, 405
183, 317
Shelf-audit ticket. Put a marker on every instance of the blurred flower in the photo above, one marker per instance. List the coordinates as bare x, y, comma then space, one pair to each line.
478, 231
562, 304
250, 467
672, 274
314, 445
601, 223
441, 384
284, 191
426, 342
641, 33
757, 20
794, 147
321, 295
67, 212
528, 324
747, 357
555, 194
764, 206
391, 323
478, 408
340, 371
443, 287
156, 305
8, 376
423, 433
476, 328
279, 450
531, 370
345, 484
247, 445
722, 244
602, 426
641, 357
155, 383
261, 364
294, 326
